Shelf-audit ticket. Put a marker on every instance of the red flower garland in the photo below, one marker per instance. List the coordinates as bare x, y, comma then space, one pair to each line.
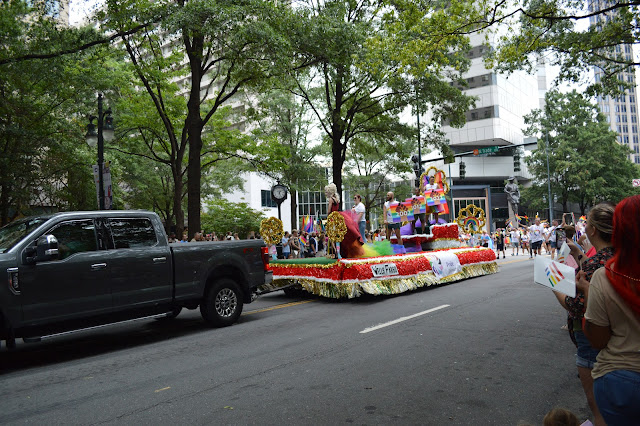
360, 270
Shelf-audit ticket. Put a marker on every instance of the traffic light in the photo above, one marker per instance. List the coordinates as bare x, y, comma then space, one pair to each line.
516, 161
463, 170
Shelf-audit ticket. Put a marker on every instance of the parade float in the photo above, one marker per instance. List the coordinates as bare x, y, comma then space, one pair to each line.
384, 268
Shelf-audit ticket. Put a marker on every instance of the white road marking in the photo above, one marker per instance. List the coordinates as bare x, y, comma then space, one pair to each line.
386, 324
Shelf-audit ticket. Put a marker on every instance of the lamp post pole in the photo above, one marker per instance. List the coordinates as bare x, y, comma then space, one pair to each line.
93, 138
548, 179
100, 154
419, 144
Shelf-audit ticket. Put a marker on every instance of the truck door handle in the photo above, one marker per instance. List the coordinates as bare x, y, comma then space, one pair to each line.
98, 266
159, 260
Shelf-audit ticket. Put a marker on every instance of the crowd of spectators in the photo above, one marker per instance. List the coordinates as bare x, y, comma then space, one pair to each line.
204, 236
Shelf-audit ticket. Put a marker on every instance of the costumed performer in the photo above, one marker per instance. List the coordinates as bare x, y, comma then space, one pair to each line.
351, 245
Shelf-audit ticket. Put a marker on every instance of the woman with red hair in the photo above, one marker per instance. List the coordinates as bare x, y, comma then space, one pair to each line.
612, 320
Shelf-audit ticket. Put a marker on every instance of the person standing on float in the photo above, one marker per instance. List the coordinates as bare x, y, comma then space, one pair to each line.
388, 218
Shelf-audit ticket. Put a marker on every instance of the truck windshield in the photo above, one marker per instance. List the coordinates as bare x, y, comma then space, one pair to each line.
14, 232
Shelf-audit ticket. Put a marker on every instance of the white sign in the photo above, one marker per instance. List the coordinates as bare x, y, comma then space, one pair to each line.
384, 269
636, 182
554, 275
444, 264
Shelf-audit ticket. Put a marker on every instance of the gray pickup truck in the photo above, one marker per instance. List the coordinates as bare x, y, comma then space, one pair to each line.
72, 271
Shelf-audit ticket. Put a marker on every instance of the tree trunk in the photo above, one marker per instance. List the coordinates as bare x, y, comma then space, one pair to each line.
194, 125
178, 213
336, 154
337, 132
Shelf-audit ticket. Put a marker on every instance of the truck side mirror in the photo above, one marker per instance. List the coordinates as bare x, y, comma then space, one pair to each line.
46, 248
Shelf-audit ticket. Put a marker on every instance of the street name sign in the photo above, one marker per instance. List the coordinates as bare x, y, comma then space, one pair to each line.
486, 150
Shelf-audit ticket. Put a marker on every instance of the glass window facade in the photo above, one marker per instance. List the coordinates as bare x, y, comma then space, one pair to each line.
266, 200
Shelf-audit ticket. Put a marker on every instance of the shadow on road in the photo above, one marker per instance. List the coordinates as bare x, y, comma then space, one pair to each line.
98, 342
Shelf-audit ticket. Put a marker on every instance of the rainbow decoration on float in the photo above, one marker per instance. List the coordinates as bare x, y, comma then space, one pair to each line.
472, 223
471, 218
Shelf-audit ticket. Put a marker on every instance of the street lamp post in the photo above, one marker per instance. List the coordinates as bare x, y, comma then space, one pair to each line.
419, 144
548, 179
93, 138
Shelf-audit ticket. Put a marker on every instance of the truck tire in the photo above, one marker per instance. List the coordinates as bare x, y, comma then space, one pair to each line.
222, 303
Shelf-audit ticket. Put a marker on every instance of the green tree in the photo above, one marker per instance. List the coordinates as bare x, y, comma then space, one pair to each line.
370, 60
224, 52
280, 116
45, 160
569, 36
587, 164
222, 216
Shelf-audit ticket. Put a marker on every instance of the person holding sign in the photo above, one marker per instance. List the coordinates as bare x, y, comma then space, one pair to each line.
417, 213
428, 188
613, 320
388, 218
599, 229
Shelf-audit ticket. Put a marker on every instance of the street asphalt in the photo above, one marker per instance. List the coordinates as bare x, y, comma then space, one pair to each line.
485, 351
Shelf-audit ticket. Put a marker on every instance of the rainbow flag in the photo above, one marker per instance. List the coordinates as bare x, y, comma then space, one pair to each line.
582, 219
401, 212
308, 224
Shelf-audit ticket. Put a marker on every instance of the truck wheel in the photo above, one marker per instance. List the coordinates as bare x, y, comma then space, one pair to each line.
222, 304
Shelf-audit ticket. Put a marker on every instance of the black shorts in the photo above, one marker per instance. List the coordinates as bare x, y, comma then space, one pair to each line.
500, 247
536, 245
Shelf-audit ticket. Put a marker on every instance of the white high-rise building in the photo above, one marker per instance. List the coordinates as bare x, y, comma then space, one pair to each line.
621, 111
496, 121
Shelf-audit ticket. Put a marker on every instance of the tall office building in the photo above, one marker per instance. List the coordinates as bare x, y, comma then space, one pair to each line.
496, 121
621, 111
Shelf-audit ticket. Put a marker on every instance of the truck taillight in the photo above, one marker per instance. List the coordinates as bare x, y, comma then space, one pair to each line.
265, 257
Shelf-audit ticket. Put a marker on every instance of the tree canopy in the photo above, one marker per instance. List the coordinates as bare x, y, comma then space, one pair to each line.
369, 60
223, 216
43, 108
587, 164
567, 35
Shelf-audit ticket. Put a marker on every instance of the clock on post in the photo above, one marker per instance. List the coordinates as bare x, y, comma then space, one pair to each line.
279, 194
